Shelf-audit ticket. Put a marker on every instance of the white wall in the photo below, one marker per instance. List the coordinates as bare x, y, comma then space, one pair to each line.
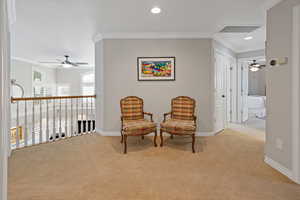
279, 84
72, 79
22, 72
194, 78
257, 82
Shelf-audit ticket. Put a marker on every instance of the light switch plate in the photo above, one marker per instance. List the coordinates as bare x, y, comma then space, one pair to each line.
283, 61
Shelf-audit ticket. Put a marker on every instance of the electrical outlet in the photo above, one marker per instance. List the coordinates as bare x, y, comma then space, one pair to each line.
279, 144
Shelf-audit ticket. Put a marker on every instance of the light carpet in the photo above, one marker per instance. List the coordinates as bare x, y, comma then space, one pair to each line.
228, 166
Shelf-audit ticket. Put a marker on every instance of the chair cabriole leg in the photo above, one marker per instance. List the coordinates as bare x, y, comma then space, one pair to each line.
193, 143
125, 144
161, 138
155, 136
122, 137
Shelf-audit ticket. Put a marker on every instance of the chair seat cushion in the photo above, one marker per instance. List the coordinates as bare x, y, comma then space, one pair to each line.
136, 127
177, 126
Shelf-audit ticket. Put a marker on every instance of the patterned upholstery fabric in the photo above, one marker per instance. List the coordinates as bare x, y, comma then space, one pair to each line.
178, 126
132, 108
183, 108
141, 126
133, 117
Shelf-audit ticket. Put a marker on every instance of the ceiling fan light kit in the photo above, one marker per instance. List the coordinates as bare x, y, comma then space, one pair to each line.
255, 66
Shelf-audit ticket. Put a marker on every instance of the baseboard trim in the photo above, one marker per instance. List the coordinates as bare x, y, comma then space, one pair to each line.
117, 133
279, 167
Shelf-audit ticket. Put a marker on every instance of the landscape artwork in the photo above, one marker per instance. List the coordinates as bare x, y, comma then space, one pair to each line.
156, 68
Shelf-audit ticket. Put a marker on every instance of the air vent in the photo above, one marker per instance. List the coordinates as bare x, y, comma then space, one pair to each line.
239, 29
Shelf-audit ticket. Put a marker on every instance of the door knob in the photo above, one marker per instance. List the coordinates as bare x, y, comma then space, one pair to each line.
223, 96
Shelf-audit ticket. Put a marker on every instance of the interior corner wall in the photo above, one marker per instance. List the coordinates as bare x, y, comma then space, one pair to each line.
279, 84
99, 86
116, 63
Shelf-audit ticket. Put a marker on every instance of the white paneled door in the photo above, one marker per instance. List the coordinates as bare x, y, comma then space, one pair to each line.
221, 65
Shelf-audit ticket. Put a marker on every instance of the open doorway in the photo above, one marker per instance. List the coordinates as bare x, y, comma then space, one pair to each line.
252, 98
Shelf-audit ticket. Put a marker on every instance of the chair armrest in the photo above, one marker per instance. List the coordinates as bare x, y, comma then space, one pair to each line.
166, 114
149, 114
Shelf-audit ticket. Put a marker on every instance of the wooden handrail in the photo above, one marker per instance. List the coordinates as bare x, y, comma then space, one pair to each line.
50, 98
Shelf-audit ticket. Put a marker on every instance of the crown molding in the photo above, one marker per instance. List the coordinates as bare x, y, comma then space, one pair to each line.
152, 35
269, 4
30, 61
226, 44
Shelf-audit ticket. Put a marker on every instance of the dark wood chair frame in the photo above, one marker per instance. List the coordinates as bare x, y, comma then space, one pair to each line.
124, 136
175, 133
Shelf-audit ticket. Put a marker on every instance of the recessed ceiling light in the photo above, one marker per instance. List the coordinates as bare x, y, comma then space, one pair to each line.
248, 38
156, 10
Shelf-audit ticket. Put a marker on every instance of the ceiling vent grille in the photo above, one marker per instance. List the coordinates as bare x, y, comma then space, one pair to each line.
239, 29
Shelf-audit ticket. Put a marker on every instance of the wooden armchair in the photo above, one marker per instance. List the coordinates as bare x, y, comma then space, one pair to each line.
133, 120
182, 121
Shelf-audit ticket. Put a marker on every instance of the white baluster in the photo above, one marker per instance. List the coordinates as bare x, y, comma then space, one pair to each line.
66, 118
54, 125
41, 122
71, 120
82, 124
77, 118
91, 114
87, 115
25, 128
60, 131
47, 122
17, 127
33, 124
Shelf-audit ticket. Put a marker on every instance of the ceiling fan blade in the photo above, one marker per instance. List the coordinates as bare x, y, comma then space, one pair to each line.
82, 63
49, 62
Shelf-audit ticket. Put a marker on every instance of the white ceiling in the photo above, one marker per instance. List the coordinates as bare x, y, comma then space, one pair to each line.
48, 29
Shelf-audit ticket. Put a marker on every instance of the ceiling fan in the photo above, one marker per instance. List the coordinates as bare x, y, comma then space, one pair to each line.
66, 63
255, 66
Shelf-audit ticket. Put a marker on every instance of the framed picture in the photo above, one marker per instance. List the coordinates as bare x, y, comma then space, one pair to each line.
156, 68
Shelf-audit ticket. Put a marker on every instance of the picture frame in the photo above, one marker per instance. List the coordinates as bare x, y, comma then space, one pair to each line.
156, 68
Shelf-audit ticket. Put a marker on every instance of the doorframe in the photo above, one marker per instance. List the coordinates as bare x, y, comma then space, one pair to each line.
296, 95
239, 86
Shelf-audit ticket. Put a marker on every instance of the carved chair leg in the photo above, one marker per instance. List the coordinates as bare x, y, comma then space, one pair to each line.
125, 144
155, 135
143, 137
193, 143
161, 138
172, 136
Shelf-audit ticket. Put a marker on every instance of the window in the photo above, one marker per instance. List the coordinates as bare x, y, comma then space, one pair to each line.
88, 78
88, 84
88, 90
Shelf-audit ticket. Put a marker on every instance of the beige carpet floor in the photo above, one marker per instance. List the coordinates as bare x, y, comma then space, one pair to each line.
226, 167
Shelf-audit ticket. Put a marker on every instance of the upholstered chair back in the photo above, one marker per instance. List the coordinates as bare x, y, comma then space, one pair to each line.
183, 108
132, 108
